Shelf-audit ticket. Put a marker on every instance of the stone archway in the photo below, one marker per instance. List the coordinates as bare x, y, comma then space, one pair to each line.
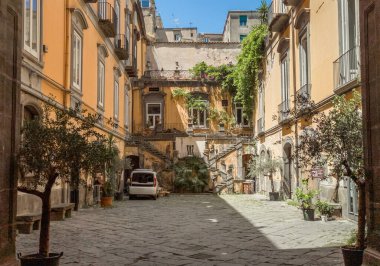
288, 172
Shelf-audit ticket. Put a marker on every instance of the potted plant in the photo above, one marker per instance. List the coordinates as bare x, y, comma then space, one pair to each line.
324, 209
305, 201
107, 194
337, 141
45, 157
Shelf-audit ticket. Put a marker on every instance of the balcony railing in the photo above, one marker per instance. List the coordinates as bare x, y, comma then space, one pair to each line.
277, 16
303, 94
260, 126
107, 19
346, 68
90, 1
169, 74
121, 46
167, 128
284, 111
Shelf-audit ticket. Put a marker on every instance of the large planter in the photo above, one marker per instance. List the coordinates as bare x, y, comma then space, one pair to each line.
352, 256
308, 214
38, 260
106, 201
274, 196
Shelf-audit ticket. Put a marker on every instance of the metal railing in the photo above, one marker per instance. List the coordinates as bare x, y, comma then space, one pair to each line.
121, 42
161, 128
169, 74
106, 12
284, 110
303, 94
275, 8
260, 126
346, 68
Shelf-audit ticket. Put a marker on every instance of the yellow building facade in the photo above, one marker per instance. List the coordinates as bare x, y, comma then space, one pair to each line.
81, 53
312, 51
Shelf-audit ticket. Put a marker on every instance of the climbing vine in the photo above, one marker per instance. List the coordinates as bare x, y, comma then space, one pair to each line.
245, 75
190, 100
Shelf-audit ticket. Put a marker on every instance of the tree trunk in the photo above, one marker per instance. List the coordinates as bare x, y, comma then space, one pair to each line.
45, 224
361, 216
335, 196
271, 182
75, 181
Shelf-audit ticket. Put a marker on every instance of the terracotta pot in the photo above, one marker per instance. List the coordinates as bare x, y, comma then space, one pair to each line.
352, 256
308, 214
106, 201
38, 260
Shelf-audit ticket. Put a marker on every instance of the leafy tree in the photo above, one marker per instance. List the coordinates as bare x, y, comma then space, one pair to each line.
263, 11
337, 141
51, 146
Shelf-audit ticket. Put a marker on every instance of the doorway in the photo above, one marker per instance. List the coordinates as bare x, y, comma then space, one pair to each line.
135, 163
288, 173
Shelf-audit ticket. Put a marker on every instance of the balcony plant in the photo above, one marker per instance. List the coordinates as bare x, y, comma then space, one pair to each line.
337, 141
324, 209
50, 146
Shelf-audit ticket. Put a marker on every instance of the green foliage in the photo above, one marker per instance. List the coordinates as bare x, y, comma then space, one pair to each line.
305, 197
191, 175
324, 208
108, 189
336, 140
352, 238
263, 11
190, 100
180, 93
248, 67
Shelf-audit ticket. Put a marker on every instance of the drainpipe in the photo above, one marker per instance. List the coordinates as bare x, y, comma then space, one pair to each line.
295, 94
66, 47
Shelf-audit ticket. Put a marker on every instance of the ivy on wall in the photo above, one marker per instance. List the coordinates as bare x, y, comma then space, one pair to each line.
191, 101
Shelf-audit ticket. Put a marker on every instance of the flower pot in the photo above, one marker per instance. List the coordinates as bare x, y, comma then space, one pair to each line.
38, 260
274, 196
352, 256
324, 218
106, 201
308, 214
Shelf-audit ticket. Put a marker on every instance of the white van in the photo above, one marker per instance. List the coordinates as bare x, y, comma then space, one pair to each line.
143, 182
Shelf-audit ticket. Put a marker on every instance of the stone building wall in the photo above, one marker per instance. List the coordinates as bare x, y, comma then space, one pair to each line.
10, 56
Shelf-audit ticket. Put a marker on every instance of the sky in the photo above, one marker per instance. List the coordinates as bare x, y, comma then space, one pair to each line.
207, 15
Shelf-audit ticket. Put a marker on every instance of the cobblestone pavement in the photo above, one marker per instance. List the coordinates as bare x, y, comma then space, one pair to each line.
194, 230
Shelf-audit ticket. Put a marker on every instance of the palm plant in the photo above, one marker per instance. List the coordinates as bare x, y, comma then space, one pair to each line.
191, 175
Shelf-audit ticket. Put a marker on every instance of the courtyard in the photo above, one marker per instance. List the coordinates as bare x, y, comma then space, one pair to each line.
194, 230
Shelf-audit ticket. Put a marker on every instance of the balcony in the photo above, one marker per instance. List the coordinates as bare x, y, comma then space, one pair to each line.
304, 105
121, 47
284, 111
347, 70
107, 19
260, 126
169, 74
278, 16
292, 2
131, 65
90, 1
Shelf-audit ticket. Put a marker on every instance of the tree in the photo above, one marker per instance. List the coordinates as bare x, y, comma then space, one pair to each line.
56, 146
263, 12
337, 141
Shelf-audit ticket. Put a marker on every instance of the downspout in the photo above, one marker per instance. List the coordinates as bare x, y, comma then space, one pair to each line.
295, 96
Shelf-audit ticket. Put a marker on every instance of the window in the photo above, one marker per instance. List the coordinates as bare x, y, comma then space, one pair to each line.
154, 89
145, 3
101, 81
32, 14
348, 24
177, 37
116, 100
198, 115
243, 21
206, 39
285, 83
77, 61
240, 117
190, 150
126, 107
153, 114
261, 102
242, 37
304, 60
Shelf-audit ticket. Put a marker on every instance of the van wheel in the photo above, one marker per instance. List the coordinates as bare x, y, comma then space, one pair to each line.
155, 197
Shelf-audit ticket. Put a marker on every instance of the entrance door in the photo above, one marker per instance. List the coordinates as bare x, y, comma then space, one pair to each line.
352, 200
288, 163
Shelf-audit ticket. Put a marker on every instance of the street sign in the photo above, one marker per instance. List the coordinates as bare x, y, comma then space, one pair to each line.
318, 172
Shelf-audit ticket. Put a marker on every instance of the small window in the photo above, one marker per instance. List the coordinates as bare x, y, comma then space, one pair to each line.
177, 37
101, 74
243, 21
153, 114
77, 61
116, 101
198, 115
32, 20
242, 37
206, 40
190, 150
240, 117
145, 3
154, 89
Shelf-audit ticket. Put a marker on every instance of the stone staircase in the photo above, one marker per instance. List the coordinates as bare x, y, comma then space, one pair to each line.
140, 142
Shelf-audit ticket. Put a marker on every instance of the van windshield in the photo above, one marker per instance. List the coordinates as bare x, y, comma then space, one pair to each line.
142, 178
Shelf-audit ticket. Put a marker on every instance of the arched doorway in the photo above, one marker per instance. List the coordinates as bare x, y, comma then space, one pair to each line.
135, 163
288, 173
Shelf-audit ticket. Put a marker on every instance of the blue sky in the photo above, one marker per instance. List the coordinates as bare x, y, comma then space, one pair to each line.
208, 15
